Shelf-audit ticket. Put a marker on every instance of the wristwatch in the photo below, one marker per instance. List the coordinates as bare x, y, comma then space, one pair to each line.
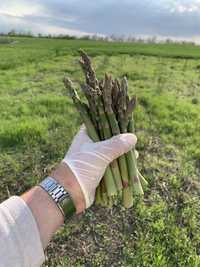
60, 196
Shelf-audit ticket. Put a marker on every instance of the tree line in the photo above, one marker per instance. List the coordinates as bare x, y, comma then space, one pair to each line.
111, 38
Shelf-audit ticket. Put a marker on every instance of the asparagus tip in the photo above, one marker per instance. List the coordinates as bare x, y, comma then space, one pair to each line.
69, 86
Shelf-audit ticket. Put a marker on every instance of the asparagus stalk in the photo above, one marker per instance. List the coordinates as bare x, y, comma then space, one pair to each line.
123, 114
131, 130
115, 93
82, 108
104, 196
94, 92
91, 82
98, 199
90, 76
92, 105
107, 134
91, 96
127, 198
142, 180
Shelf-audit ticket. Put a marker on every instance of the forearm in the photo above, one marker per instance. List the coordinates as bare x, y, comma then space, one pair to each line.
46, 213
27, 223
47, 216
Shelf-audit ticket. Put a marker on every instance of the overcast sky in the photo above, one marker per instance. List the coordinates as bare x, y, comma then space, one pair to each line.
173, 18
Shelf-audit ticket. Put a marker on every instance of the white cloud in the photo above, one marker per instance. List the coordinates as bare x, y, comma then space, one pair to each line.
19, 8
16, 14
24, 24
185, 6
55, 30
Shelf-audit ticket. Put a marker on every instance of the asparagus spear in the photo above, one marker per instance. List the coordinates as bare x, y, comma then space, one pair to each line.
131, 130
98, 199
107, 134
123, 119
142, 180
127, 198
93, 89
82, 108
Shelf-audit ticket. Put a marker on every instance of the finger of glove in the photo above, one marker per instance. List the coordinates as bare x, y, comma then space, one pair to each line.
79, 139
116, 146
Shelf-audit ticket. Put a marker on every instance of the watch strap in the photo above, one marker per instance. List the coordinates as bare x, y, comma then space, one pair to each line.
59, 195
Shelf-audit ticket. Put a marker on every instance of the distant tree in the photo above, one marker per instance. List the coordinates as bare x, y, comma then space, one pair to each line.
12, 33
140, 40
113, 37
29, 34
95, 37
168, 41
152, 40
107, 38
131, 39
85, 37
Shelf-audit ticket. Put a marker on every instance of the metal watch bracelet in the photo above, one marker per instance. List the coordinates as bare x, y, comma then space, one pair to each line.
60, 196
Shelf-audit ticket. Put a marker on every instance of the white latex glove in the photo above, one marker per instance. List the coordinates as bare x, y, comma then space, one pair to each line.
88, 160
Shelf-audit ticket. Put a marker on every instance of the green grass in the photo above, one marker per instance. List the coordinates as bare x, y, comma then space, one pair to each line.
38, 122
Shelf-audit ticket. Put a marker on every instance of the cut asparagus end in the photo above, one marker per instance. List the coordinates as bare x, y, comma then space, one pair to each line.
116, 175
127, 197
109, 183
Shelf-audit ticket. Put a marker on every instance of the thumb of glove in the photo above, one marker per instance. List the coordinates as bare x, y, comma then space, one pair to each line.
116, 146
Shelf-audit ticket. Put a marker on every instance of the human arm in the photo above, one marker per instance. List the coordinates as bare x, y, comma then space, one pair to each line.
79, 173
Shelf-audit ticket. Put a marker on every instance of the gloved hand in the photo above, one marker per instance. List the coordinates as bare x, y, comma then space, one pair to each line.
88, 160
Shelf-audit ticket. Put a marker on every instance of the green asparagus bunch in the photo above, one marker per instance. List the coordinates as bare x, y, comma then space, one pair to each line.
108, 112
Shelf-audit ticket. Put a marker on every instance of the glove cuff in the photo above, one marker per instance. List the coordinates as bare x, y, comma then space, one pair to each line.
72, 168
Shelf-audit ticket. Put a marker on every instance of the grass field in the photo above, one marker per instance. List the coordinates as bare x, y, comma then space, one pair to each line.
38, 121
